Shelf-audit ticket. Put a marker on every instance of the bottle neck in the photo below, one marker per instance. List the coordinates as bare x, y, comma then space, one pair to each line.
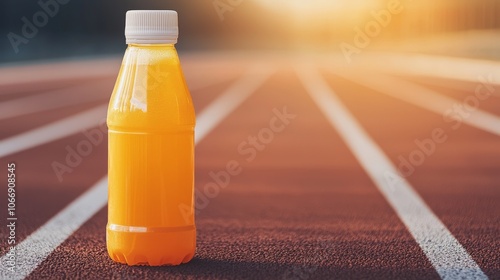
150, 53
151, 45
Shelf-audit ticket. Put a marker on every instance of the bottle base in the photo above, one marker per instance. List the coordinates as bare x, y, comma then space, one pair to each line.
170, 246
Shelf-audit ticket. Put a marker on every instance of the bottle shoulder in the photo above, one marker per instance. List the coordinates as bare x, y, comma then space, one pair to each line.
150, 90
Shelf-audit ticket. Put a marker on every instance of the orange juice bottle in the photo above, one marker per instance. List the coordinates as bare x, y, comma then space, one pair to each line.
151, 149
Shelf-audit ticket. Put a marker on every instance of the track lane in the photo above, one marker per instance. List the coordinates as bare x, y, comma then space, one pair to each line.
438, 244
81, 94
287, 215
461, 91
19, 125
430, 100
459, 180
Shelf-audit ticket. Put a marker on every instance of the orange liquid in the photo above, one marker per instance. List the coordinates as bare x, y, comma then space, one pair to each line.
151, 161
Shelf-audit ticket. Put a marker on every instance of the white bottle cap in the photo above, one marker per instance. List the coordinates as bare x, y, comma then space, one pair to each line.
151, 27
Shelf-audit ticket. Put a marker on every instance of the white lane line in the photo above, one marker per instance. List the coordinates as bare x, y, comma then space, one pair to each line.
425, 98
232, 97
53, 131
455, 68
41, 243
55, 99
446, 254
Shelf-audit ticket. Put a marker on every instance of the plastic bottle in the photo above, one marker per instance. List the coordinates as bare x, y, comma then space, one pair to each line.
151, 149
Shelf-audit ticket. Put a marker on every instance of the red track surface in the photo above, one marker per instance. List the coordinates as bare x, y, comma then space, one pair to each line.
304, 208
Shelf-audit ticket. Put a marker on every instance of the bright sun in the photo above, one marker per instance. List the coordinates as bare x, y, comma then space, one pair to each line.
318, 20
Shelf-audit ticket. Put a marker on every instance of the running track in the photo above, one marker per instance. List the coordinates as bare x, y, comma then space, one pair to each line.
319, 195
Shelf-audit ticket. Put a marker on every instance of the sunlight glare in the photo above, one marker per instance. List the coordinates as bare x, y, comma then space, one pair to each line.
314, 7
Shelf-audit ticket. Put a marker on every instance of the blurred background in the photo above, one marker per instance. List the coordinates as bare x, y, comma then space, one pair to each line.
47, 29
